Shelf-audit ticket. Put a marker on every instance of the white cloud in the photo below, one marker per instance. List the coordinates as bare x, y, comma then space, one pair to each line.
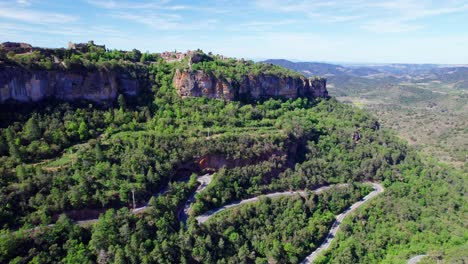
149, 5
165, 21
35, 17
389, 26
294, 6
158, 15
112, 4
162, 22
394, 16
322, 11
14, 29
259, 25
24, 2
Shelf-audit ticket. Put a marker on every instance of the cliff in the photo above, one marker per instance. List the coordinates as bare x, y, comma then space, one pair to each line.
90, 72
200, 83
20, 84
24, 85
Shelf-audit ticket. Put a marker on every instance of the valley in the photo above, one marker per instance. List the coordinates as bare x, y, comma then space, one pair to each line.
233, 132
283, 166
427, 105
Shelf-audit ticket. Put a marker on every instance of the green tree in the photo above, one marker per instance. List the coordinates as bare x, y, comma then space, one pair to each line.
12, 146
31, 129
135, 55
119, 256
121, 101
151, 176
3, 146
98, 152
77, 253
83, 130
20, 172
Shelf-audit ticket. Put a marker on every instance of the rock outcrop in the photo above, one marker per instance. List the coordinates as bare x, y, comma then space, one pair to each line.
20, 84
23, 85
16, 47
36, 74
203, 84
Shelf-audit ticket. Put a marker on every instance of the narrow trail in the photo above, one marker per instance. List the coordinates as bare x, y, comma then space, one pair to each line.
336, 225
416, 259
204, 217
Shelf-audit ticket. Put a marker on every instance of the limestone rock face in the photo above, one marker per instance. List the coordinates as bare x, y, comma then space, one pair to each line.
200, 84
203, 84
22, 85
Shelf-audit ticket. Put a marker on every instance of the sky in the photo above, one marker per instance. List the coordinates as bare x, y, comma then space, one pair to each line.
353, 31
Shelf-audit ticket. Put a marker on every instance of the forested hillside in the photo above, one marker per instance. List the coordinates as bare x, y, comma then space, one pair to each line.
63, 162
426, 104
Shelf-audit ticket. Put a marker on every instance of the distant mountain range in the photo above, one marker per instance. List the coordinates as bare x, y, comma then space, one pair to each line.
382, 74
323, 69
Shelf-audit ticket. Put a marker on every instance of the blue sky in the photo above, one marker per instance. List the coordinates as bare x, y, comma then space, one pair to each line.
398, 31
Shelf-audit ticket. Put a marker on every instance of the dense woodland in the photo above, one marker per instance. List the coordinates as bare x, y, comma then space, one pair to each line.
63, 160
273, 230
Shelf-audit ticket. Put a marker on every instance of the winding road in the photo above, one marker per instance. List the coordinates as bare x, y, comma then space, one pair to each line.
204, 217
339, 218
416, 259
378, 188
205, 180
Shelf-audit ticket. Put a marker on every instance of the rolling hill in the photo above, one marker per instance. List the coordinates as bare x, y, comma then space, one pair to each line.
427, 104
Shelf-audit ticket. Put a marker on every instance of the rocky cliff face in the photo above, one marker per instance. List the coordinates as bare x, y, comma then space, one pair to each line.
200, 83
23, 85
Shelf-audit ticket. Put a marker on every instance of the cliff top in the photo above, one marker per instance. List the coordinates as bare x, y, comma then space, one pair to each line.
91, 56
92, 72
